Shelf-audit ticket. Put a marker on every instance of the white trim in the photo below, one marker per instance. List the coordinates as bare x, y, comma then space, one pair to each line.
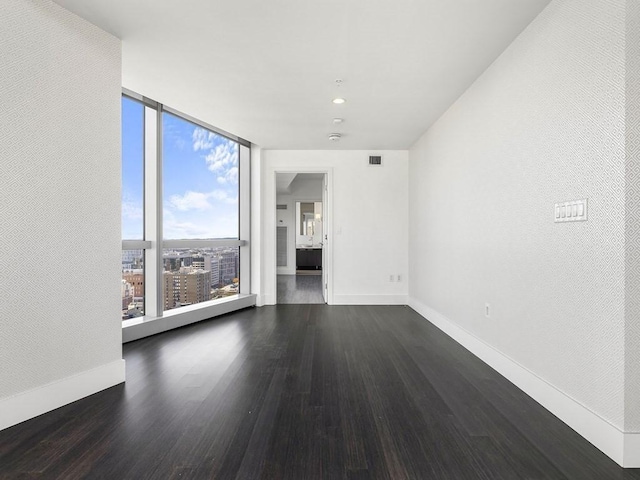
621, 447
43, 399
244, 218
137, 328
135, 244
153, 267
370, 299
202, 243
631, 450
265, 299
286, 270
256, 245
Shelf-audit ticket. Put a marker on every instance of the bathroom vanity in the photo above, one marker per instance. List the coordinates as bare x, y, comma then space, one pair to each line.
309, 258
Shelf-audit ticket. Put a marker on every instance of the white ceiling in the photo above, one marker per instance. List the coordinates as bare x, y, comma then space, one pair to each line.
266, 70
285, 181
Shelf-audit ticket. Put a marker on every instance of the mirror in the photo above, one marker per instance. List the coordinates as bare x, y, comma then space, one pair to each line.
309, 223
306, 218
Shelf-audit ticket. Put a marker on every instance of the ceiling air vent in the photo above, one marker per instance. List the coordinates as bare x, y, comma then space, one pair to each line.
375, 160
281, 207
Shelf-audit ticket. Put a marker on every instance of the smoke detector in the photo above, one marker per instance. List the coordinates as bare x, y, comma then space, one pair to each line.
334, 137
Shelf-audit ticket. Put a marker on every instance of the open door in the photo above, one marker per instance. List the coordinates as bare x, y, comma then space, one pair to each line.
325, 238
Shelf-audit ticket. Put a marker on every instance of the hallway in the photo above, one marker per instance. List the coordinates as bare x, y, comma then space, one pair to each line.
299, 289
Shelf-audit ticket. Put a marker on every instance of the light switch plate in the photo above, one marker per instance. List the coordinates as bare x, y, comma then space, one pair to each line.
572, 211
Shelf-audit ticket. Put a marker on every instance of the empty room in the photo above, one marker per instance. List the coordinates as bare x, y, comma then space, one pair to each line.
320, 239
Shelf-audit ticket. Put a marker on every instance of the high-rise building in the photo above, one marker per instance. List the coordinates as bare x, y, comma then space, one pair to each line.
127, 294
215, 271
136, 279
228, 267
210, 263
186, 287
132, 259
202, 262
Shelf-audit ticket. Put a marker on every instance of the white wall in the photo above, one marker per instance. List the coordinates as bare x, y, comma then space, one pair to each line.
60, 207
632, 217
367, 222
545, 123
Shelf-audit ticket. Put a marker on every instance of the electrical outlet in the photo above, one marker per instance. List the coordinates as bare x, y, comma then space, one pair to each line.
487, 310
391, 278
399, 277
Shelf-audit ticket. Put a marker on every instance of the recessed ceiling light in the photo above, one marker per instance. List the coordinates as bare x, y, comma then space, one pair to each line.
337, 121
339, 101
334, 137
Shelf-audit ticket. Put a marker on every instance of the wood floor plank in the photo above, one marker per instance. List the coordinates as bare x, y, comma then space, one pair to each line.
304, 392
299, 289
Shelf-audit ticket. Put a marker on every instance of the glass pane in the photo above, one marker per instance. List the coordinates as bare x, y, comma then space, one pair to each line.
200, 182
199, 274
132, 169
132, 283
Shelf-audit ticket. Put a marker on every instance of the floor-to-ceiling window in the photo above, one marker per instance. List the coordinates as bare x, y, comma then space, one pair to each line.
132, 207
185, 212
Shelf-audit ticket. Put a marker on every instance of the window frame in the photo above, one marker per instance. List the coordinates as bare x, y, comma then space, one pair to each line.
153, 243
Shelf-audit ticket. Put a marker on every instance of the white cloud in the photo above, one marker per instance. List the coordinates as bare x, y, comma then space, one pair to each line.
230, 176
202, 139
189, 226
190, 201
131, 210
200, 200
223, 196
223, 157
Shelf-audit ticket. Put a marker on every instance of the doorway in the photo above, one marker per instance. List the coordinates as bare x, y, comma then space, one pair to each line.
301, 238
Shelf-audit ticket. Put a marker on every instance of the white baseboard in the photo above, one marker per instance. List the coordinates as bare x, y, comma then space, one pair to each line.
267, 299
370, 299
286, 270
631, 450
622, 447
34, 402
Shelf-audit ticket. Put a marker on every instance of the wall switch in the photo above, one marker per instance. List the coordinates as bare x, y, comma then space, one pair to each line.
487, 310
573, 211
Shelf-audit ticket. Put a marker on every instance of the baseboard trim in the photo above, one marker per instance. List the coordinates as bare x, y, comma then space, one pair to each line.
370, 299
285, 271
621, 447
32, 403
631, 450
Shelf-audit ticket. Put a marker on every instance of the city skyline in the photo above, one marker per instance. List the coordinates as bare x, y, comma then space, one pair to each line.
220, 264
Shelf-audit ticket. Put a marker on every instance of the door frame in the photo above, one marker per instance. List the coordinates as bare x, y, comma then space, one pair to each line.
271, 231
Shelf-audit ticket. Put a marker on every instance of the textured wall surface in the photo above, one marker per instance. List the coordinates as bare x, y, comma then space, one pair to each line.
544, 124
59, 195
368, 218
632, 264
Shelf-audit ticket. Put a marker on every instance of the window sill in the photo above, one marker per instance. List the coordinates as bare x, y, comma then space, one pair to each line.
137, 328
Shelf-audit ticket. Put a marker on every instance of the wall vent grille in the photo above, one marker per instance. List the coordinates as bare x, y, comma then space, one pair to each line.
281, 246
281, 207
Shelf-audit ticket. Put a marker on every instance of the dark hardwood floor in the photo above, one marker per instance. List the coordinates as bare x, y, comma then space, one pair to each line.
304, 392
299, 289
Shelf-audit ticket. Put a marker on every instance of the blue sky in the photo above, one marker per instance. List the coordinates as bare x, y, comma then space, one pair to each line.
200, 179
